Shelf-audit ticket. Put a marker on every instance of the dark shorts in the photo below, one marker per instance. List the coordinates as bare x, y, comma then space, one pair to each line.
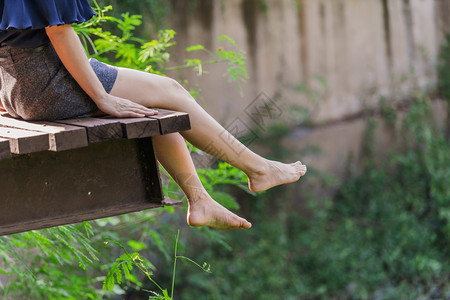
35, 85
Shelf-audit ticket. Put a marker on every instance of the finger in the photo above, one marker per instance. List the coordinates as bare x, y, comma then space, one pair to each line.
131, 114
135, 115
152, 112
146, 111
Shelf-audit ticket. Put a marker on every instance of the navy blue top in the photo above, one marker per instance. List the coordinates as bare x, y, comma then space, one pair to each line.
23, 22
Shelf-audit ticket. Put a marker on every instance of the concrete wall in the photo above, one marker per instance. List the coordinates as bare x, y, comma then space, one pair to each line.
363, 49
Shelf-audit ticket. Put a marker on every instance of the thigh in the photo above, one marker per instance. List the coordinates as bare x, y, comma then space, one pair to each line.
150, 90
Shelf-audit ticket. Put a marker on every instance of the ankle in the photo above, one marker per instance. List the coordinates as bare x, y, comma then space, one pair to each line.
259, 169
197, 196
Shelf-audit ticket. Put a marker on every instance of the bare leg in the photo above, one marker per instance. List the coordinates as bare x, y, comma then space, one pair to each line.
206, 134
173, 154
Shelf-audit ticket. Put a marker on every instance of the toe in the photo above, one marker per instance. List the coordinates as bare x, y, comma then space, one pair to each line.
245, 225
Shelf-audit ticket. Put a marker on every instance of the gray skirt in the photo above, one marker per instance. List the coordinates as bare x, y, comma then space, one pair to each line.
35, 85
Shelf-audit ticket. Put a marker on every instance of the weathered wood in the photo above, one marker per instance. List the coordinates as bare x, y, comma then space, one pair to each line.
139, 127
71, 137
108, 177
61, 136
54, 188
149, 168
98, 129
5, 151
23, 141
80, 217
172, 121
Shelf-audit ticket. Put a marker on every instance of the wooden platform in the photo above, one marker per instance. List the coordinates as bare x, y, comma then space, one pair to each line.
55, 173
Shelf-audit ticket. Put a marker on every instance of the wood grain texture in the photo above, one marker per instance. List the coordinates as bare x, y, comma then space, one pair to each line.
61, 136
75, 217
149, 167
100, 174
24, 141
172, 121
81, 217
98, 129
54, 188
139, 127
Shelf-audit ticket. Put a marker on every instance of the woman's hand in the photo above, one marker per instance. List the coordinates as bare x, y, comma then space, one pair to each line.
120, 107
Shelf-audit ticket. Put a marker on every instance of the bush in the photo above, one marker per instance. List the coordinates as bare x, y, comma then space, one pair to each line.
385, 235
37, 263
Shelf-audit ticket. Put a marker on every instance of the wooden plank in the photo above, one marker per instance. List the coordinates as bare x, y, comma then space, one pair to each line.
24, 141
4, 149
172, 121
149, 167
98, 130
75, 218
81, 217
61, 136
46, 189
171, 202
138, 127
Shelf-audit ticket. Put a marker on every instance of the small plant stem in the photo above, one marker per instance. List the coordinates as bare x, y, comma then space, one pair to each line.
139, 265
174, 265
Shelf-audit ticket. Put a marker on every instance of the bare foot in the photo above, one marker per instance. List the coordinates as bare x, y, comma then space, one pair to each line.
204, 211
275, 173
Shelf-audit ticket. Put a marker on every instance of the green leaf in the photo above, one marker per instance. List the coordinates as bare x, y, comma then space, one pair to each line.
137, 246
166, 295
195, 48
225, 199
227, 38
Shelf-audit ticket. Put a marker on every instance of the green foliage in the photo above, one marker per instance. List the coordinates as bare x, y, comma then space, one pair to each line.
122, 268
395, 215
444, 69
124, 49
235, 59
32, 260
68, 262
155, 11
124, 264
385, 235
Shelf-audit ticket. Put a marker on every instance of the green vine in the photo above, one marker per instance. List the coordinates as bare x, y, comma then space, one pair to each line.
124, 264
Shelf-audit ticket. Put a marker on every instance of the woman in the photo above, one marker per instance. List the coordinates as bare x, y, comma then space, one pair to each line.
46, 75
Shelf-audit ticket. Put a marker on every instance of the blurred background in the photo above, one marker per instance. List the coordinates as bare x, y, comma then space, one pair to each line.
358, 91
332, 62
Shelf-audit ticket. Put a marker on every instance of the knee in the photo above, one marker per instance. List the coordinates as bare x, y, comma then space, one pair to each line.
178, 90
173, 84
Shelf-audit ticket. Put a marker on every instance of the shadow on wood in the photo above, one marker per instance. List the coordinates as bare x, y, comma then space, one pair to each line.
113, 175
